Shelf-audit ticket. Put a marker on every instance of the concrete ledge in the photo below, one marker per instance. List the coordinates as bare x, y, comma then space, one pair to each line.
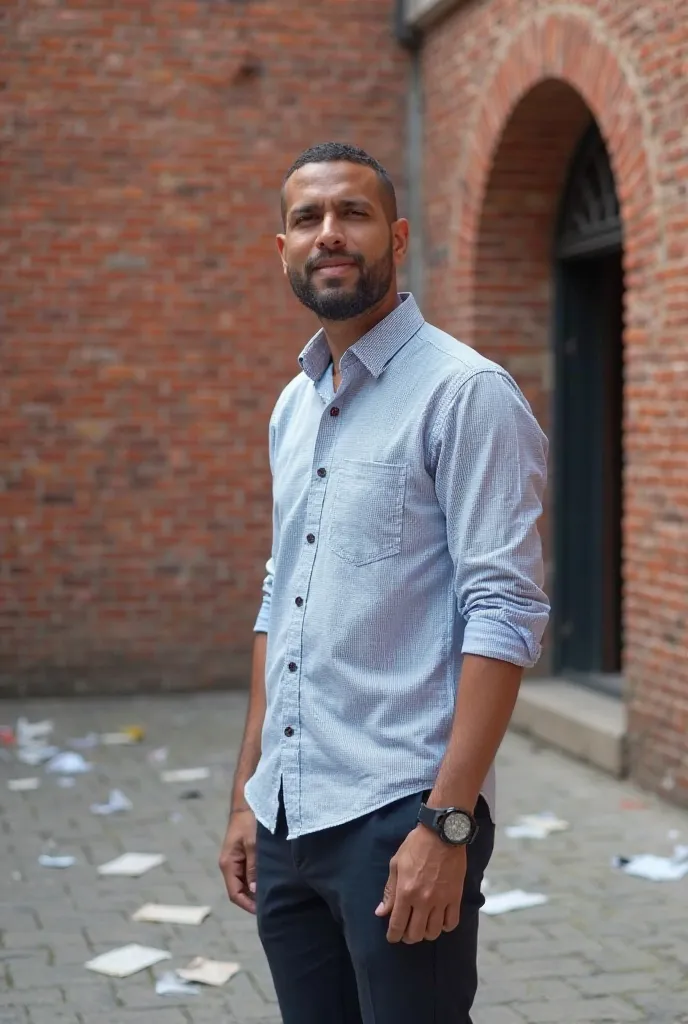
588, 725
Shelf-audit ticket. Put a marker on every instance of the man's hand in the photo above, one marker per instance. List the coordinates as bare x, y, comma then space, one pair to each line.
424, 888
238, 859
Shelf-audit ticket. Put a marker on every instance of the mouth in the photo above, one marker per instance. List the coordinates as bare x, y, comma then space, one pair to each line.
334, 269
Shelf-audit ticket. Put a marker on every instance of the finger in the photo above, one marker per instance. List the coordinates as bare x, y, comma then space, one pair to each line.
251, 868
237, 886
399, 919
452, 916
416, 927
435, 924
385, 907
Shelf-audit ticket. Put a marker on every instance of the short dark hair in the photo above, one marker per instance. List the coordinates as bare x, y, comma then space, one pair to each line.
329, 152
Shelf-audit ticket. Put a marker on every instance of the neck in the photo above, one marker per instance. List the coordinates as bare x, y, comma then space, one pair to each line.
342, 334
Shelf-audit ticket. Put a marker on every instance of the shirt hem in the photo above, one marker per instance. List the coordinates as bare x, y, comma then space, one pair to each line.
348, 818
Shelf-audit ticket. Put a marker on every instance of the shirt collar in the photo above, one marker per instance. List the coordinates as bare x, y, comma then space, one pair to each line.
376, 348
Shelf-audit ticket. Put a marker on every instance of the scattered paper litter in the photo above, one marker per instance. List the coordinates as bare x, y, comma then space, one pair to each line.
7, 735
65, 781
68, 763
515, 899
655, 869
169, 984
88, 742
23, 785
163, 913
123, 737
127, 960
158, 756
185, 775
49, 860
117, 803
27, 732
132, 865
536, 826
209, 972
36, 754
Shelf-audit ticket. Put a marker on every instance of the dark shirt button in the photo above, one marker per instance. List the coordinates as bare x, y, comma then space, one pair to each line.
299, 602
292, 666
334, 411
310, 538
322, 472
289, 731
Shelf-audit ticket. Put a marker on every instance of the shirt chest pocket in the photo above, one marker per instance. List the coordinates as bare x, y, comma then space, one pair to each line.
368, 511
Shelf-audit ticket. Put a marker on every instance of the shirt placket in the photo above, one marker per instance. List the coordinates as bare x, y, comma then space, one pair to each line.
292, 673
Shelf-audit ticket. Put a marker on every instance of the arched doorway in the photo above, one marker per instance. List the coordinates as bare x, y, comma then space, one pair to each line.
588, 422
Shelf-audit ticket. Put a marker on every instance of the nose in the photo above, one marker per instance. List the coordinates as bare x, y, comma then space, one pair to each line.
331, 235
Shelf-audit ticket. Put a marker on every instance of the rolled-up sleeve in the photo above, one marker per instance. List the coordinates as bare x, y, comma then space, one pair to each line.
490, 476
263, 620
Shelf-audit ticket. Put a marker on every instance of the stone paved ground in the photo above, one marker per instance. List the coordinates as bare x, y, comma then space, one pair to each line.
605, 948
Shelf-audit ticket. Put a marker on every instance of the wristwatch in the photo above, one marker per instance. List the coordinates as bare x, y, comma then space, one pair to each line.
453, 825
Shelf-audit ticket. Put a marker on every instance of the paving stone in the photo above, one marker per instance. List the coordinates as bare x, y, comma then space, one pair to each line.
605, 948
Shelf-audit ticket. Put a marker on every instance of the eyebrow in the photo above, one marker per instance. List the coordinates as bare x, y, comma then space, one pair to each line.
314, 207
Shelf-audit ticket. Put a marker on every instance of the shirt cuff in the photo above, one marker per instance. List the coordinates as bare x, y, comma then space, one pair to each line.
263, 619
494, 638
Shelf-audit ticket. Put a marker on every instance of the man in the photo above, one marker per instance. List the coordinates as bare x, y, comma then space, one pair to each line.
401, 604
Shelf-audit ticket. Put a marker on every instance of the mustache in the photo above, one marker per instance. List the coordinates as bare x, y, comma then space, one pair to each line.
323, 258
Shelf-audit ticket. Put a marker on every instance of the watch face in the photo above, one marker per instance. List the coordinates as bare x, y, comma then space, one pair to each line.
457, 828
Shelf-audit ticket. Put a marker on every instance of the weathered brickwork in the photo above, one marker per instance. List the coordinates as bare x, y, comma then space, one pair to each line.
146, 327
508, 87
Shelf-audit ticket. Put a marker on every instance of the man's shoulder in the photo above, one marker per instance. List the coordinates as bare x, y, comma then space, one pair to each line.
450, 357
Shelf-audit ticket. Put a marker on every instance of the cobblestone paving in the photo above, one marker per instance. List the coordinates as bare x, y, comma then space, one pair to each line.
605, 948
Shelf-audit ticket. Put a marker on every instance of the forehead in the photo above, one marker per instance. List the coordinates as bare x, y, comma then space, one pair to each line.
332, 182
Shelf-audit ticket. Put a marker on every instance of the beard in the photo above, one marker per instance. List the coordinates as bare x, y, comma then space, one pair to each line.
335, 302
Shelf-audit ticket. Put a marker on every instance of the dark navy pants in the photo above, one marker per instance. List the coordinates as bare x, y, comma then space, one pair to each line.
328, 953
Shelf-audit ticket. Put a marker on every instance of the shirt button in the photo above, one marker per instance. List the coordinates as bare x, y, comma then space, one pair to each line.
289, 731
334, 411
292, 666
299, 602
322, 472
310, 537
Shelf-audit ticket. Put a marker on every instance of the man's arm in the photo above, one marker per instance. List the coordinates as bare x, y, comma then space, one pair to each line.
491, 466
249, 753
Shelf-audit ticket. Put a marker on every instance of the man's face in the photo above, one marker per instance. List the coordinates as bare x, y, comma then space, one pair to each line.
339, 249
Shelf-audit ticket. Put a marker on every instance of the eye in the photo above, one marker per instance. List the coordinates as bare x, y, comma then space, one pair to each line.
357, 213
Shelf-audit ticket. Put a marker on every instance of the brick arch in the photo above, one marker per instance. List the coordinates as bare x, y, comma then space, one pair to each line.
564, 48
553, 78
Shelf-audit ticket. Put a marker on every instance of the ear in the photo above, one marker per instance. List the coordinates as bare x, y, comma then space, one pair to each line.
400, 240
281, 247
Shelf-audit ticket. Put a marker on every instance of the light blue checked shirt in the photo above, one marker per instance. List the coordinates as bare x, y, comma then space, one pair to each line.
404, 534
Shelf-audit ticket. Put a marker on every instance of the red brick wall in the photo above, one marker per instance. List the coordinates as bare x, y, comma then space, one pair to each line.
508, 84
146, 327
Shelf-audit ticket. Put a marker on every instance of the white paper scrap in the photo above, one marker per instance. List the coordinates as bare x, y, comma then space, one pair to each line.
162, 913
656, 869
158, 756
27, 732
516, 899
117, 739
117, 803
536, 826
65, 781
169, 984
185, 775
132, 865
22, 785
87, 742
127, 960
68, 763
49, 860
36, 753
209, 972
